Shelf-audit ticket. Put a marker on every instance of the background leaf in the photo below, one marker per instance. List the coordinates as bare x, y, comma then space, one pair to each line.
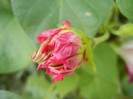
15, 45
69, 84
126, 7
127, 87
39, 15
8, 95
36, 87
104, 84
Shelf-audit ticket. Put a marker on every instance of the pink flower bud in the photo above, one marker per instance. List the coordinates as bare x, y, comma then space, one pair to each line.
61, 51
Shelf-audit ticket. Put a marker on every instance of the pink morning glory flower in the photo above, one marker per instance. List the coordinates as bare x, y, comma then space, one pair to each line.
126, 52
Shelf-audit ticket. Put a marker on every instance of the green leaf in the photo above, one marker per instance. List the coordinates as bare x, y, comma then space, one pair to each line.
103, 84
15, 43
8, 95
36, 87
39, 15
126, 7
5, 13
69, 84
53, 95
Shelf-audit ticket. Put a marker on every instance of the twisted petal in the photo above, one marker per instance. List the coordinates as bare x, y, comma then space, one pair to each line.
48, 33
66, 45
73, 62
45, 34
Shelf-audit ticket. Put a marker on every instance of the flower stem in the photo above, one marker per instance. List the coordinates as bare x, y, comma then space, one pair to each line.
49, 91
102, 38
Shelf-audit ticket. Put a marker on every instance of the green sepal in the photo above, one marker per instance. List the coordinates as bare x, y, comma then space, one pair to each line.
87, 42
89, 55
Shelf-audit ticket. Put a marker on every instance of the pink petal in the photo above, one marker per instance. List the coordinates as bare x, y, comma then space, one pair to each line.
73, 62
45, 34
56, 61
40, 66
44, 49
65, 45
75, 49
51, 71
63, 53
68, 73
67, 23
57, 77
48, 33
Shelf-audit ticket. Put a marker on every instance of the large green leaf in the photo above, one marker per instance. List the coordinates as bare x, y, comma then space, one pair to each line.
38, 15
69, 84
5, 13
104, 84
36, 87
126, 7
15, 45
8, 95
